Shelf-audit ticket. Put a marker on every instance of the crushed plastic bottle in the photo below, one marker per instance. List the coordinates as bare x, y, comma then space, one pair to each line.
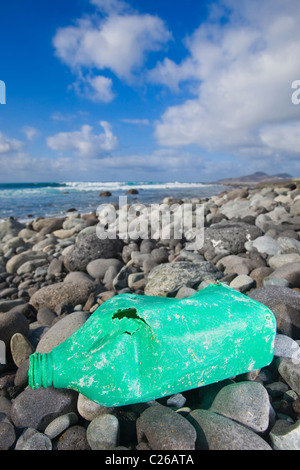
136, 348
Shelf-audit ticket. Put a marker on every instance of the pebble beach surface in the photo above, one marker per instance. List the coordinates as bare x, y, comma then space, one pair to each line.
55, 272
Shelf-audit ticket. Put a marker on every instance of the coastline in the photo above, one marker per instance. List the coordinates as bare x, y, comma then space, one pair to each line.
29, 200
55, 272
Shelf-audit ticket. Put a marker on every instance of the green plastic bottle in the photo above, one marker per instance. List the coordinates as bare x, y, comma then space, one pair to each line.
137, 348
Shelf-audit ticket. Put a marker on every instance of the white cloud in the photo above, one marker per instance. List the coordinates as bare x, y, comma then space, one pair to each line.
31, 133
8, 145
102, 89
84, 143
119, 42
95, 88
158, 161
58, 116
242, 73
111, 6
138, 122
283, 138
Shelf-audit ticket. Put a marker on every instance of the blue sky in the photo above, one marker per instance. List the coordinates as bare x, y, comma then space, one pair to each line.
140, 90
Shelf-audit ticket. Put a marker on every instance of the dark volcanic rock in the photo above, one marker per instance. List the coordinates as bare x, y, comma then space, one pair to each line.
89, 248
165, 429
37, 408
229, 237
169, 277
216, 432
54, 295
10, 323
10, 227
285, 304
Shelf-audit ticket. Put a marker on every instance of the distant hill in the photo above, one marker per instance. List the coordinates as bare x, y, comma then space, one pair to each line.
257, 177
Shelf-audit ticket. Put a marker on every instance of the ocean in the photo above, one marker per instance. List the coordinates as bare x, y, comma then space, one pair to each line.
25, 201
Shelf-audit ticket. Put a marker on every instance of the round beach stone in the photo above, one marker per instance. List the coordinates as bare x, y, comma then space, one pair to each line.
280, 260
159, 255
48, 224
98, 267
77, 277
285, 304
7, 433
41, 244
184, 292
37, 408
288, 245
216, 432
147, 245
246, 403
277, 389
45, 316
16, 261
20, 348
242, 282
138, 258
127, 250
166, 278
30, 266
21, 377
164, 429
103, 432
10, 323
8, 292
74, 438
52, 296
229, 237
266, 244
135, 277
89, 248
5, 406
290, 272
272, 296
60, 424
234, 264
121, 279
177, 400
61, 330
13, 243
286, 347
285, 436
31, 439
258, 274
109, 277
289, 370
10, 227
6, 305
275, 281
55, 267
89, 409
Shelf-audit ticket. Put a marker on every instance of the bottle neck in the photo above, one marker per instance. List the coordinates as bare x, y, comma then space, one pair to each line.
40, 373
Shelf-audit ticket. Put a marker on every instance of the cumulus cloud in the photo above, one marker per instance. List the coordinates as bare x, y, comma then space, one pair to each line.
30, 132
84, 143
97, 88
118, 41
242, 70
9, 145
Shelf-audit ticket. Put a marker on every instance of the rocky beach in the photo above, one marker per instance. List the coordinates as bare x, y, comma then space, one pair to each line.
55, 272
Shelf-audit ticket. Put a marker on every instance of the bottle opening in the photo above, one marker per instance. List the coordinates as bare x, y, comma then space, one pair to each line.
40, 373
